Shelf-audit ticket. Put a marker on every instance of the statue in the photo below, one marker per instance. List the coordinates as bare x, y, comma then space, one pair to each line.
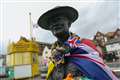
73, 58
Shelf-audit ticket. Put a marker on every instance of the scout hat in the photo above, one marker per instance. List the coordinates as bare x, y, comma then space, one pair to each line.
66, 11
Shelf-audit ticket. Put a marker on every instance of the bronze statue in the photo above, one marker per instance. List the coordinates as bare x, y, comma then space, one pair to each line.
71, 54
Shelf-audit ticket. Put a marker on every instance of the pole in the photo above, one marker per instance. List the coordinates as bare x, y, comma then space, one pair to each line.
30, 26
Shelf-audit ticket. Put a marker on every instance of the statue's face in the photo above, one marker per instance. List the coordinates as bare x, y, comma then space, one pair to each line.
59, 26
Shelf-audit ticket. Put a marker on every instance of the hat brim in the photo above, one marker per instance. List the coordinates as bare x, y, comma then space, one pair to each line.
67, 11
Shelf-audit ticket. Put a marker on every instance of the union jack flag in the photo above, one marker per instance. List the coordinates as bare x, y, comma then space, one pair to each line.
73, 42
84, 52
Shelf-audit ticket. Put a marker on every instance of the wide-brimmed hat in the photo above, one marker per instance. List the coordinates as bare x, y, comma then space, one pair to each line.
66, 11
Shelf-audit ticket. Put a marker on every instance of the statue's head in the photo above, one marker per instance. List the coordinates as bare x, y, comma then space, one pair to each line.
58, 20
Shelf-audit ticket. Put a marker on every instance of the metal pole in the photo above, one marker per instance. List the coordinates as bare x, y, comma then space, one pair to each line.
30, 26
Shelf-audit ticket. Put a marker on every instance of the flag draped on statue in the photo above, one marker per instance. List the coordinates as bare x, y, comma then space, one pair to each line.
85, 55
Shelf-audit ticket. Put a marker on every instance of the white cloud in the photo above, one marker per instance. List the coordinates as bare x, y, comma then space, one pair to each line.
102, 17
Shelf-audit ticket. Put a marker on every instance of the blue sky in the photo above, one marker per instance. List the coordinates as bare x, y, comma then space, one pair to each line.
94, 15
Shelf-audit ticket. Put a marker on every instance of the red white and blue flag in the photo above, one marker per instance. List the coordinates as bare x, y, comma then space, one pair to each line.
88, 58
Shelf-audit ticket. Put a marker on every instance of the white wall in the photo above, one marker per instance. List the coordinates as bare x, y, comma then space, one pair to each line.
113, 47
22, 71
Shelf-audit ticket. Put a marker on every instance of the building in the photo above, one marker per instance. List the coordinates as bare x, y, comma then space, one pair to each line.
3, 66
44, 53
2, 60
42, 45
112, 35
100, 40
117, 33
108, 42
113, 44
113, 47
109, 35
22, 59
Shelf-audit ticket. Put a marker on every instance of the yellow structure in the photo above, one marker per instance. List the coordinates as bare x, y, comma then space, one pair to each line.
23, 53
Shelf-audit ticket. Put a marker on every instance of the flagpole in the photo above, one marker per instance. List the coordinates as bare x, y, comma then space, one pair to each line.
31, 37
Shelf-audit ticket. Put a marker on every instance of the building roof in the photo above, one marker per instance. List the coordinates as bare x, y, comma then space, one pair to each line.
117, 32
44, 44
110, 34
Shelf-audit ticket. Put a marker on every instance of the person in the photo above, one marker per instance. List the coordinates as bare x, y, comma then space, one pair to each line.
70, 53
